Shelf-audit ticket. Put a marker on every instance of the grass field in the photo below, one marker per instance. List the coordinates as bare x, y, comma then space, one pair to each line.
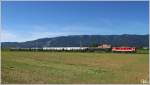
67, 67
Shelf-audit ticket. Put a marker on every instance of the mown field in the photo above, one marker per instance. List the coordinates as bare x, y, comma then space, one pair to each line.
73, 67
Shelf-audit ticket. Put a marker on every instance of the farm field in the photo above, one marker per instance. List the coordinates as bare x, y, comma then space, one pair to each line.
73, 67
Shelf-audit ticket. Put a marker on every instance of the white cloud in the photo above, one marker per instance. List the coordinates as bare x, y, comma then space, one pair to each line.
27, 36
44, 31
33, 32
45, 34
7, 36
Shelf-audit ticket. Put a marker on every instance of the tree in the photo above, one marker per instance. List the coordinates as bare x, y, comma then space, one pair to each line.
94, 45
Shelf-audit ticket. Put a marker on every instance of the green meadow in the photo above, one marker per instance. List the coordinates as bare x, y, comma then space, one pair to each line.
73, 68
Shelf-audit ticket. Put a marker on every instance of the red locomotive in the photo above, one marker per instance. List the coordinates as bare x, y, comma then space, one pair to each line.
123, 49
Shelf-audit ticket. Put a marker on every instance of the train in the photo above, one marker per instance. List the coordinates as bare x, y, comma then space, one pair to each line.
82, 49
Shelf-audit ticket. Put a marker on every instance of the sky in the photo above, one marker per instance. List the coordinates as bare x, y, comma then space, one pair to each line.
30, 20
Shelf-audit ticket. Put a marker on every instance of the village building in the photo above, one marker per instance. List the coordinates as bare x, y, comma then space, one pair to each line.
104, 46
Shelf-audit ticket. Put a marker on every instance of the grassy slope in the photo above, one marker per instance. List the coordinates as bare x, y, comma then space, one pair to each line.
61, 67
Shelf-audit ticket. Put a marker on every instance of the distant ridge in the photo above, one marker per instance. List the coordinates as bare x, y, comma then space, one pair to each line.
83, 40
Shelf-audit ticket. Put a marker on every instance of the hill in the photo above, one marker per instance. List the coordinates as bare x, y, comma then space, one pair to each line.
83, 40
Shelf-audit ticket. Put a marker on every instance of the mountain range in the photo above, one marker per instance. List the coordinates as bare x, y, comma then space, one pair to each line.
83, 40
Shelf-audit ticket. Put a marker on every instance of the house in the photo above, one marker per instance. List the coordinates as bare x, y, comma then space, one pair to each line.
145, 47
104, 46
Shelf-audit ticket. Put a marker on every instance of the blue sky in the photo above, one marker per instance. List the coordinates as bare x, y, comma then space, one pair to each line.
29, 20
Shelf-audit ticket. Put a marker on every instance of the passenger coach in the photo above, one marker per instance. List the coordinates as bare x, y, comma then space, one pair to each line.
123, 49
